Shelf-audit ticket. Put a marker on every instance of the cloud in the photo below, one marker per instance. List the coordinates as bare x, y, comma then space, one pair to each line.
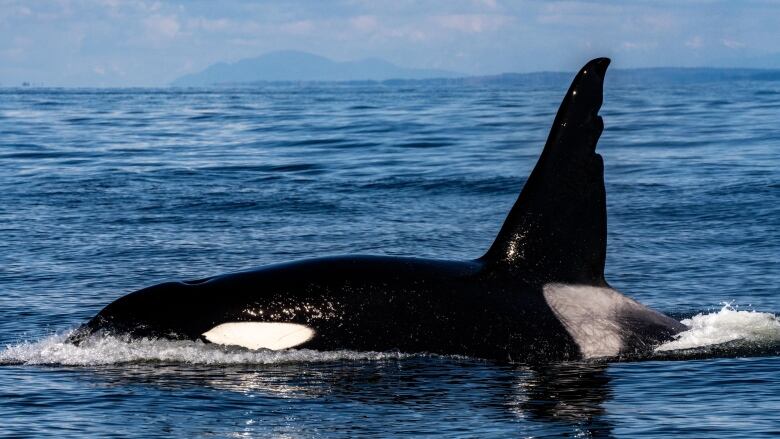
109, 3
634, 45
491, 4
732, 44
13, 52
573, 13
695, 42
23, 11
656, 22
209, 24
19, 47
365, 23
472, 23
162, 26
299, 27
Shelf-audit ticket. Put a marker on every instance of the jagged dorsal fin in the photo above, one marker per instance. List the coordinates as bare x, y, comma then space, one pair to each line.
557, 228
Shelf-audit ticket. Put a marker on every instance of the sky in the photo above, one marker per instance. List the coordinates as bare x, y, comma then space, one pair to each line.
150, 43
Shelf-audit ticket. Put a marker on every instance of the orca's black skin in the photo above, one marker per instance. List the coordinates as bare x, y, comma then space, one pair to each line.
492, 307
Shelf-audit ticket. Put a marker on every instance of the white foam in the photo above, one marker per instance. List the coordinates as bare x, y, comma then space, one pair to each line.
726, 325
55, 350
24, 114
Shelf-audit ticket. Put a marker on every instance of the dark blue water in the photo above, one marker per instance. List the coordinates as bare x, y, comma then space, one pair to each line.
106, 191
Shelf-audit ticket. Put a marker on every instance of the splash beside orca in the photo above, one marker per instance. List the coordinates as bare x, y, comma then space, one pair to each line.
538, 294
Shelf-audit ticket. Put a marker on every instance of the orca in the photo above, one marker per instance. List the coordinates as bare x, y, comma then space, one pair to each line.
537, 294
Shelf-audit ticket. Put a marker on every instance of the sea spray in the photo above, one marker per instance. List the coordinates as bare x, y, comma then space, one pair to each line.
725, 326
105, 350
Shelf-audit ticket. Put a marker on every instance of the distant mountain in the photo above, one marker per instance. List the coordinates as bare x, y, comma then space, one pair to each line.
696, 74
301, 66
630, 77
292, 66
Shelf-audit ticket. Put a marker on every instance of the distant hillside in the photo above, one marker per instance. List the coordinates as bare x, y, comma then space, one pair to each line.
290, 66
696, 74
302, 66
657, 75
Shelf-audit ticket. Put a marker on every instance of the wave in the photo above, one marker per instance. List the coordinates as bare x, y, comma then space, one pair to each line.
108, 350
727, 332
739, 331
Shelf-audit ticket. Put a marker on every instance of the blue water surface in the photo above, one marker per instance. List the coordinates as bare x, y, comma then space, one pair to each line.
106, 191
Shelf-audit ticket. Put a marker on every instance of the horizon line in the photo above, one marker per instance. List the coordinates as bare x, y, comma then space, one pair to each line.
31, 84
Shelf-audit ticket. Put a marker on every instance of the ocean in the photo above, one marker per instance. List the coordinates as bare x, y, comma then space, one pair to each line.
105, 191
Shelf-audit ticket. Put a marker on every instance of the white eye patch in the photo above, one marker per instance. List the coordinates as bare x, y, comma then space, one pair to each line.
260, 335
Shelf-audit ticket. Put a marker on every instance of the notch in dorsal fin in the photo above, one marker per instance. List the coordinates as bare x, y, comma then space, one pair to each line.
557, 228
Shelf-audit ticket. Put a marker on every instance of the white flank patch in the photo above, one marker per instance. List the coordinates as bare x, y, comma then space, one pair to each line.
590, 316
260, 335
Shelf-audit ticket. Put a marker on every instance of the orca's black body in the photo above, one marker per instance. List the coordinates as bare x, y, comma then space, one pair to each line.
538, 293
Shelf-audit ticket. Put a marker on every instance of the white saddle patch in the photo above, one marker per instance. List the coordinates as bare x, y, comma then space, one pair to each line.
591, 316
260, 335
